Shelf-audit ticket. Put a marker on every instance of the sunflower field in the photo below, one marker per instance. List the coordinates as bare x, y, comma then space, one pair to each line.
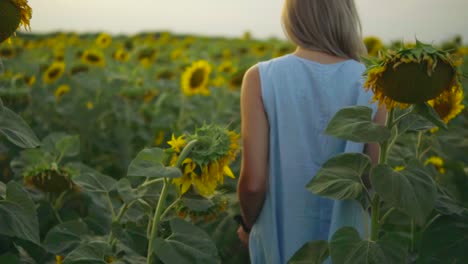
125, 149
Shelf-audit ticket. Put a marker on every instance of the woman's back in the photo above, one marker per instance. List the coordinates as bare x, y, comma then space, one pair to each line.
300, 96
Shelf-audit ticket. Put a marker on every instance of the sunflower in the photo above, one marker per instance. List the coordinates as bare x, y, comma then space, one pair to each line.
14, 14
208, 163
373, 45
411, 76
103, 40
61, 90
50, 179
194, 79
7, 52
30, 80
449, 104
438, 163
93, 57
259, 50
227, 67
89, 105
53, 72
121, 55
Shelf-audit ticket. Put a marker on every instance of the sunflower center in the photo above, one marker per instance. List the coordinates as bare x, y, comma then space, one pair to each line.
54, 73
197, 78
93, 58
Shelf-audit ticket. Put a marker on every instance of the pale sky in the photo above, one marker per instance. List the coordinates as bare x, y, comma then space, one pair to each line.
428, 20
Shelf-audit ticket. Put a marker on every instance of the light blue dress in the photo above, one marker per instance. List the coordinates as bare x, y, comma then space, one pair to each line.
300, 97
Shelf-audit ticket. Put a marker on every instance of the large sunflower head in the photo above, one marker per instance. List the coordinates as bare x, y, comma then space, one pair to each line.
93, 57
195, 78
13, 14
103, 40
411, 75
53, 72
208, 162
373, 45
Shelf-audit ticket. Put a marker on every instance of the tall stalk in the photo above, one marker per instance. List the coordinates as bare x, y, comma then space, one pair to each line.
383, 156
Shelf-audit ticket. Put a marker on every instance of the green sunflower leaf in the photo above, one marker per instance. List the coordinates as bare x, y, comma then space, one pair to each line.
16, 130
150, 163
313, 252
429, 113
187, 244
340, 177
355, 124
18, 216
412, 190
347, 247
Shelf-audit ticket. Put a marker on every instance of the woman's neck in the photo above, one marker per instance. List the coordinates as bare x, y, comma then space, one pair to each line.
317, 56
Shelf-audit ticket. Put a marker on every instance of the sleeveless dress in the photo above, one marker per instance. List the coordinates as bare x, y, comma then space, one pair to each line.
300, 97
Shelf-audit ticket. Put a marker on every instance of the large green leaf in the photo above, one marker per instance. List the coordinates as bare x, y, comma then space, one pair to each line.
187, 244
62, 144
313, 252
355, 124
89, 253
445, 241
132, 235
340, 177
65, 237
412, 190
16, 130
342, 244
18, 215
149, 163
92, 180
429, 114
347, 247
126, 192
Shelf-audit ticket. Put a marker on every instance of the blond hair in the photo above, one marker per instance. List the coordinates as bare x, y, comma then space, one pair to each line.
330, 26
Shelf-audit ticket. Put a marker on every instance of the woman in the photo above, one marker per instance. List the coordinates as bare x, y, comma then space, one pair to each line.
286, 104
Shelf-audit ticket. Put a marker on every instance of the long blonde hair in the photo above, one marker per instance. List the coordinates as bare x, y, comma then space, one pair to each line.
330, 26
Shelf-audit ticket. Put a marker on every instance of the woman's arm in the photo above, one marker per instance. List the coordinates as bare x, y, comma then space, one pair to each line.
252, 184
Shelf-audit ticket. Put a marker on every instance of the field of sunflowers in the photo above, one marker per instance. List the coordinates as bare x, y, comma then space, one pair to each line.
124, 149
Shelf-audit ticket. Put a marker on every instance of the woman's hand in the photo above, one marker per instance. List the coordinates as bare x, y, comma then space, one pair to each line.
243, 236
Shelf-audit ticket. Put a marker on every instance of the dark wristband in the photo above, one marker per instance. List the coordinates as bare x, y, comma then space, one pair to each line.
240, 221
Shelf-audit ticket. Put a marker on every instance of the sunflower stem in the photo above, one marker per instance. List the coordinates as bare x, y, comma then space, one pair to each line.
418, 146
162, 200
156, 218
383, 156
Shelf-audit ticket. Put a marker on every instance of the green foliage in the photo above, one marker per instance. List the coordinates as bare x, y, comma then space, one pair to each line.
187, 244
15, 129
18, 215
347, 247
341, 177
355, 123
314, 252
150, 163
412, 190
